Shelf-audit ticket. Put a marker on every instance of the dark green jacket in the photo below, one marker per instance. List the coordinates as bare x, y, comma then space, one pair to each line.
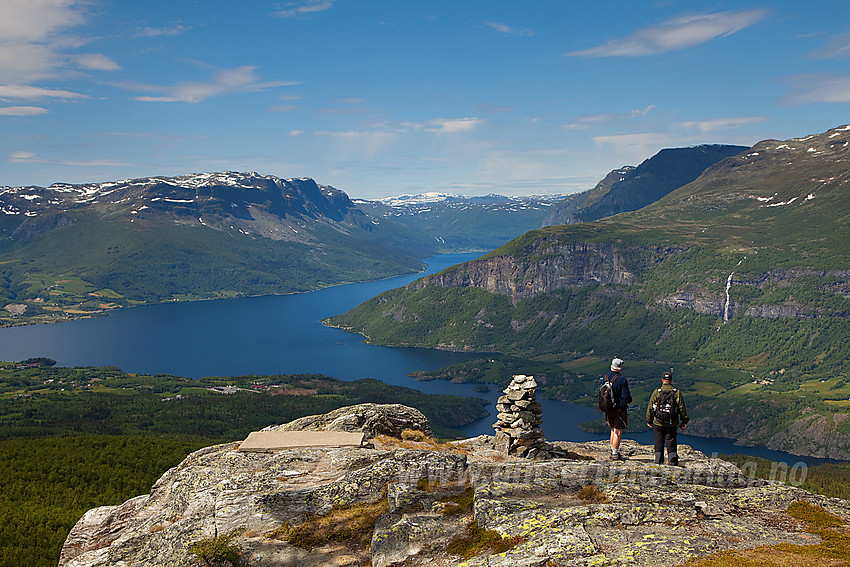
680, 417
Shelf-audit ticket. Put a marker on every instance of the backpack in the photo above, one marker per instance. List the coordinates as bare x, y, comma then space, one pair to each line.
606, 395
665, 409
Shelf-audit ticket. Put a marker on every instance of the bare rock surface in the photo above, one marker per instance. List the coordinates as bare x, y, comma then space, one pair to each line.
371, 419
639, 513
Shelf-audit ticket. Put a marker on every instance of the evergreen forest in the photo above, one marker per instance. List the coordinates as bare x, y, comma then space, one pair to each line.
72, 439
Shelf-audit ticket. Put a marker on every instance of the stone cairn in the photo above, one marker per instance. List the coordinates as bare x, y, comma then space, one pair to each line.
517, 427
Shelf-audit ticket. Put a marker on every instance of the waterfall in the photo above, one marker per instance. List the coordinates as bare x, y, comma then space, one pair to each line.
726, 307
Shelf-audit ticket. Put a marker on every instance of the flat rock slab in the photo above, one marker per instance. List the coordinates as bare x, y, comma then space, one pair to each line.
268, 441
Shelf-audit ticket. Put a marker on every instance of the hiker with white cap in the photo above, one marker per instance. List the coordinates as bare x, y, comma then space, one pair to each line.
616, 411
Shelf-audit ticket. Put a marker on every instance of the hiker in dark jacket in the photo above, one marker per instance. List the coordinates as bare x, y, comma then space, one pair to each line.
618, 419
666, 429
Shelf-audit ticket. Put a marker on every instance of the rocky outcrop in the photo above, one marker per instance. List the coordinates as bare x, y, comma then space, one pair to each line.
637, 512
371, 419
703, 303
558, 266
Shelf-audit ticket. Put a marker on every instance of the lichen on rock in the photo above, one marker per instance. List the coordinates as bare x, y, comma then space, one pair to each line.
642, 513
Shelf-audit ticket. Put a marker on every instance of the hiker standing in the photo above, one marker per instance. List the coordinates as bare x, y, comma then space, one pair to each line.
618, 417
664, 414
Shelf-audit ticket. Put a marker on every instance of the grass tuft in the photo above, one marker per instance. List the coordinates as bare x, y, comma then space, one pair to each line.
352, 524
592, 495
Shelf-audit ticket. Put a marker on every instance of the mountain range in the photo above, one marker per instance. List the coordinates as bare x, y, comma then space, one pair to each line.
70, 250
739, 279
454, 223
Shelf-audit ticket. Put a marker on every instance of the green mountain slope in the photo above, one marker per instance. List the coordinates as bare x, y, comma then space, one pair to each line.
68, 251
740, 280
630, 188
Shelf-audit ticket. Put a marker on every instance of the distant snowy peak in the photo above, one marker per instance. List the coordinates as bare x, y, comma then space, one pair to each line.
421, 198
234, 179
233, 190
427, 202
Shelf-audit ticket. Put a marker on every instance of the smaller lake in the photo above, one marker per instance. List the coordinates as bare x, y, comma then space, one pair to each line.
283, 335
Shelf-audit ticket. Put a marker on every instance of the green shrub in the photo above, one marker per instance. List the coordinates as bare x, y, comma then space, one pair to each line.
219, 548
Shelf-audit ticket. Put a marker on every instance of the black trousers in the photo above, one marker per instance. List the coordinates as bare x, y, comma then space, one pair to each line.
666, 435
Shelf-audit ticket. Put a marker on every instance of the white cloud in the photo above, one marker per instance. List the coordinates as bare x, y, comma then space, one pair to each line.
37, 20
29, 157
451, 125
26, 91
32, 37
22, 111
585, 122
721, 123
506, 29
222, 82
837, 47
305, 7
818, 88
22, 157
97, 62
633, 140
678, 33
433, 126
157, 32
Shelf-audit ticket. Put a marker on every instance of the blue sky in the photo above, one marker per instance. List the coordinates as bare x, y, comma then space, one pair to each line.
382, 98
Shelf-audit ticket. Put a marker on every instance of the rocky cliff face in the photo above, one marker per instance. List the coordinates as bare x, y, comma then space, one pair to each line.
558, 266
426, 494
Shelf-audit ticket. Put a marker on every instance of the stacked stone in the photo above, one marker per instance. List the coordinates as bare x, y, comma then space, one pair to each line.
518, 430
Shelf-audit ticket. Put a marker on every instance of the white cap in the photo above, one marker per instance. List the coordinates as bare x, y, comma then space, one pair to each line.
617, 364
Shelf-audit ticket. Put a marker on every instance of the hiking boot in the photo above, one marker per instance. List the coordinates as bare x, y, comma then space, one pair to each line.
616, 457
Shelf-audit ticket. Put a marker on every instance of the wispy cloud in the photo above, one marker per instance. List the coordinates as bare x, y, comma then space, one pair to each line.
97, 62
494, 108
303, 8
222, 82
29, 157
677, 33
163, 31
818, 88
385, 131
451, 125
506, 29
715, 124
26, 91
585, 122
836, 47
22, 111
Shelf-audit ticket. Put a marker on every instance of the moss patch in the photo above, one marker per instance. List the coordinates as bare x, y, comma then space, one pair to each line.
479, 540
833, 549
458, 504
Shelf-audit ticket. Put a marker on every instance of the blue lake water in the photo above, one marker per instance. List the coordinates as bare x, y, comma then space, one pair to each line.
283, 335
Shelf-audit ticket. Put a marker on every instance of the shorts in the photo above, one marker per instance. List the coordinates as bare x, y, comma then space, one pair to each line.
617, 419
